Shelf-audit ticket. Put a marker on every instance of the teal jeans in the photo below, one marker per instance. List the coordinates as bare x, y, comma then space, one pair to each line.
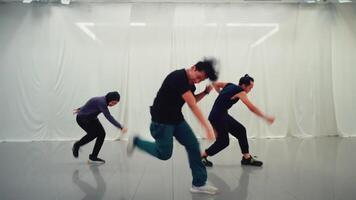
162, 148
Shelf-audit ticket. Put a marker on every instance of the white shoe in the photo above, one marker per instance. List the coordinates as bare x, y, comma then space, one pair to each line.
207, 189
131, 146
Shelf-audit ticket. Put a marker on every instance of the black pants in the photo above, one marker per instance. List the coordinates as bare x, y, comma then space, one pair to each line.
94, 130
224, 125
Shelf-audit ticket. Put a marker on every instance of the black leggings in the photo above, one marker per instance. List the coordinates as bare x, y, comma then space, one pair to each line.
94, 130
224, 125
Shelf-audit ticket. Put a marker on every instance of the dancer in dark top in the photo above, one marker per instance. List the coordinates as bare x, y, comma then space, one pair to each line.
223, 123
87, 119
167, 120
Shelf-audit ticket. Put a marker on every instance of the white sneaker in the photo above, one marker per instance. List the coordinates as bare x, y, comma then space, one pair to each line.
207, 189
131, 146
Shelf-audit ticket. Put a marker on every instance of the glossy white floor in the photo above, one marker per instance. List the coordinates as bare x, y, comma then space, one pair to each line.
294, 169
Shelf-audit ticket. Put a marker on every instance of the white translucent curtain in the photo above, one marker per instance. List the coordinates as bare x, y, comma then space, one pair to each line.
343, 50
54, 58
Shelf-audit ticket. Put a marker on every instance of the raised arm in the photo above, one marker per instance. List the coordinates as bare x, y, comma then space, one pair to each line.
201, 95
218, 86
243, 97
109, 117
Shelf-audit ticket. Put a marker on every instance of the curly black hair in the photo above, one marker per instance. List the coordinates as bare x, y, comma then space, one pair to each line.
208, 65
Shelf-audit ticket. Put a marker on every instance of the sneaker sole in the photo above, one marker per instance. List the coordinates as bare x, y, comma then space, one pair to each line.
95, 162
203, 191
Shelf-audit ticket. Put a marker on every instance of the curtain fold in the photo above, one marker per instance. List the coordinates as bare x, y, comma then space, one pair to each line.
54, 58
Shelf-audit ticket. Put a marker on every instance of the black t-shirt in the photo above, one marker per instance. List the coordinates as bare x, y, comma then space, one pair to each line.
167, 106
224, 102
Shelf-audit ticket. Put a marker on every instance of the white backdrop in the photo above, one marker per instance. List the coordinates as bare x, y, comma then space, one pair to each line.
53, 58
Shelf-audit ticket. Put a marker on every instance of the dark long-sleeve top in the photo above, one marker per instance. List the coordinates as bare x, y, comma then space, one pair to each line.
94, 107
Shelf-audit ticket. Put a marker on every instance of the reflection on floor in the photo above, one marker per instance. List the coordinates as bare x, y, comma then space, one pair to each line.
294, 169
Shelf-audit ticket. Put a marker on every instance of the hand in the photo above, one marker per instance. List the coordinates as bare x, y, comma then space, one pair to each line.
75, 111
208, 88
270, 119
210, 135
123, 130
